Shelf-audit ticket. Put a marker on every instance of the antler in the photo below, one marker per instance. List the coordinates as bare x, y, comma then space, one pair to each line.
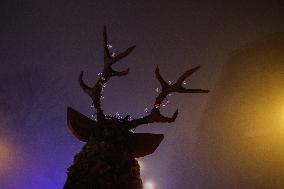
95, 92
155, 115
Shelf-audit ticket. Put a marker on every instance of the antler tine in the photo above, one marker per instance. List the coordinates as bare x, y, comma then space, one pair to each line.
181, 89
163, 119
155, 115
105, 44
122, 55
160, 78
187, 74
83, 85
121, 73
109, 60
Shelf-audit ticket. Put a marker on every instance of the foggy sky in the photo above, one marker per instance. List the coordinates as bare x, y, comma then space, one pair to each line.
240, 137
45, 44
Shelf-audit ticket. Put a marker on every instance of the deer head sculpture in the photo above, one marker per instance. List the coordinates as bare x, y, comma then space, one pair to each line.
108, 158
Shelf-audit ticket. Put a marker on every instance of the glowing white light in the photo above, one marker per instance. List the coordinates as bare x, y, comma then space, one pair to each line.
146, 110
149, 185
132, 130
109, 46
113, 54
184, 82
118, 115
170, 82
129, 118
157, 89
103, 85
165, 103
157, 106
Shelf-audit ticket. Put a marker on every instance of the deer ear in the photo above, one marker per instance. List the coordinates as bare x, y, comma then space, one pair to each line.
80, 125
143, 144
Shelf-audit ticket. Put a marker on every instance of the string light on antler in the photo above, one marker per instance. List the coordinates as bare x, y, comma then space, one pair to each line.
103, 84
146, 110
117, 114
103, 78
132, 130
94, 116
167, 101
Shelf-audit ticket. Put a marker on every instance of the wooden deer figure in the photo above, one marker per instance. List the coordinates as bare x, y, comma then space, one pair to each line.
107, 160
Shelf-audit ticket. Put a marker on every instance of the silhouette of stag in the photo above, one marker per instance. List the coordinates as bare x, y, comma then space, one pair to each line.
107, 160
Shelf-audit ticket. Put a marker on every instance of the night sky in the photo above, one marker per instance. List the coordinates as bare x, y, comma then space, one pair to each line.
45, 44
